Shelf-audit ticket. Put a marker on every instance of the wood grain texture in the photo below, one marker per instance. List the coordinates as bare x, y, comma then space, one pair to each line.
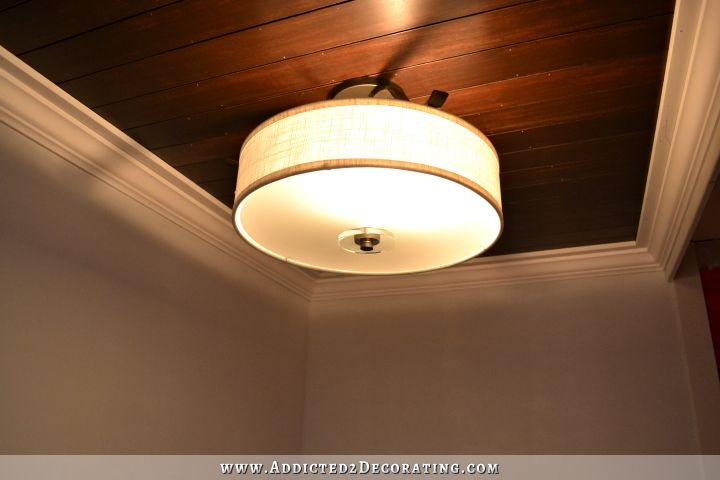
566, 214
242, 119
566, 90
614, 123
552, 85
454, 70
566, 109
341, 24
575, 161
171, 27
37, 23
353, 22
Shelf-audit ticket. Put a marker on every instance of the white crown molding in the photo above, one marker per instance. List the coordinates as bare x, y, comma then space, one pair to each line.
561, 264
684, 157
687, 136
41, 111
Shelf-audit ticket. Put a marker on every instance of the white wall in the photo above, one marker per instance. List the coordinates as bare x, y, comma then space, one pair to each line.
590, 366
699, 355
122, 333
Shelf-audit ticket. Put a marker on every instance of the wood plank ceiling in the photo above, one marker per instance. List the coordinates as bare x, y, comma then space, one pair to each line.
567, 90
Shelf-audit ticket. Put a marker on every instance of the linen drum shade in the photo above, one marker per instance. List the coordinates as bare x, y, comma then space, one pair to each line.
368, 186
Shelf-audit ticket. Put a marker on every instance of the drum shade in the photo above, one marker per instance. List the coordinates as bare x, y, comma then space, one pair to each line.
368, 186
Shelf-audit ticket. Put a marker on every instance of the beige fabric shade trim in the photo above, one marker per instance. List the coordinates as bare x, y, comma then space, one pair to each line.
369, 132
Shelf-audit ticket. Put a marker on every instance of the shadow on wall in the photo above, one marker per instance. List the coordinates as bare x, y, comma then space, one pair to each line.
121, 332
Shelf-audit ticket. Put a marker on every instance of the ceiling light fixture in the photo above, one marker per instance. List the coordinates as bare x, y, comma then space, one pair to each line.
368, 183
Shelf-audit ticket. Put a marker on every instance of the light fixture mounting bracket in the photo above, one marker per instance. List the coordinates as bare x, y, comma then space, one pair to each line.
379, 87
367, 87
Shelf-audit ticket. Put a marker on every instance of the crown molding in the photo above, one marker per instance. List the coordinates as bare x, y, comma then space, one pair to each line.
683, 161
686, 147
561, 264
38, 109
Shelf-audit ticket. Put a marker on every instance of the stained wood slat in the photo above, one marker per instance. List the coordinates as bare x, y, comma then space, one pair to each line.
616, 123
223, 147
520, 216
566, 109
584, 211
547, 86
613, 42
244, 118
639, 37
171, 27
631, 148
609, 156
345, 24
537, 224
565, 239
592, 210
52, 20
545, 217
552, 176
537, 216
341, 24
209, 171
593, 190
